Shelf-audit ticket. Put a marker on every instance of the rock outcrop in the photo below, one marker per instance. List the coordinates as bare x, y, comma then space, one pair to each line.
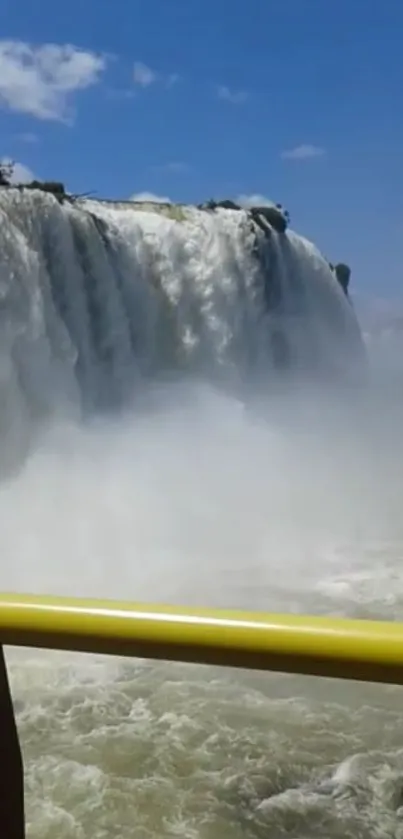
343, 274
265, 217
55, 188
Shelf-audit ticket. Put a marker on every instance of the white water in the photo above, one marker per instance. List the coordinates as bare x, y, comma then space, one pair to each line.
120, 293
211, 487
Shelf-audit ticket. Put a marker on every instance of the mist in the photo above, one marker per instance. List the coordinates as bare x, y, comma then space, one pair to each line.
286, 498
291, 501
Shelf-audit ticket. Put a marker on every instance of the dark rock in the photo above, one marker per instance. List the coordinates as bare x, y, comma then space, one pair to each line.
284, 212
6, 171
343, 274
54, 187
273, 215
225, 204
207, 205
261, 222
101, 227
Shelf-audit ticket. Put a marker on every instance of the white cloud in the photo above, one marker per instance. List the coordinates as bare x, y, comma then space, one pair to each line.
149, 196
39, 80
303, 152
143, 75
27, 137
254, 201
235, 97
20, 173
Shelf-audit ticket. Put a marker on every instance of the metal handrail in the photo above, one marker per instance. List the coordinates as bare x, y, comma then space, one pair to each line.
334, 647
320, 646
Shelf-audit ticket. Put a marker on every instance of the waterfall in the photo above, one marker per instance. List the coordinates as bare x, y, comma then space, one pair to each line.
97, 297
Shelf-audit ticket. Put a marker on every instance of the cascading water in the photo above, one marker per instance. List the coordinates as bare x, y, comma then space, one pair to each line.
97, 295
225, 489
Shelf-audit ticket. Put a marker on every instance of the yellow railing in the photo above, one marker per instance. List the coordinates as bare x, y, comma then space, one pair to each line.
345, 649
319, 646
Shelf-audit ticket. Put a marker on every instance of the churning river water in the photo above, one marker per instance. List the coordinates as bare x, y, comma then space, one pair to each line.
292, 505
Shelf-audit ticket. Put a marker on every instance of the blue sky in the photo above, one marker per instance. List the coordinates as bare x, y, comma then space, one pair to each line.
299, 101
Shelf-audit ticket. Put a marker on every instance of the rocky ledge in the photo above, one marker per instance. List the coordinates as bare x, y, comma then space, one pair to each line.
267, 218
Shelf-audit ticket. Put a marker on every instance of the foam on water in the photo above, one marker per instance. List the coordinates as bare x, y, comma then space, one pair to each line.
200, 502
200, 492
